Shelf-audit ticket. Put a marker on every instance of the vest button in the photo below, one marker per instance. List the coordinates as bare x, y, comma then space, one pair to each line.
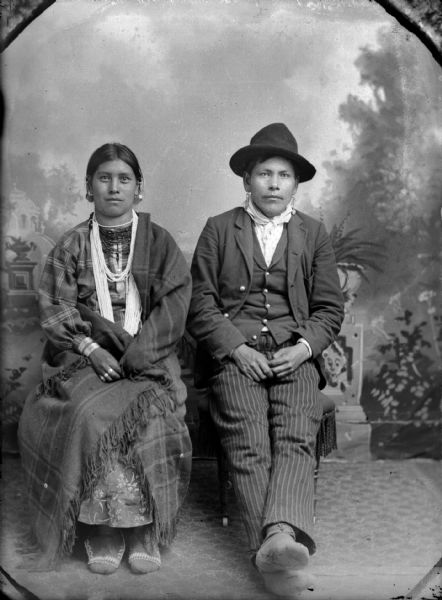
264, 321
267, 273
265, 290
254, 337
268, 305
242, 288
226, 314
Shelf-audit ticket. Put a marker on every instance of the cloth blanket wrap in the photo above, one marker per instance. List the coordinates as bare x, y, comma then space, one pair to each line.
73, 423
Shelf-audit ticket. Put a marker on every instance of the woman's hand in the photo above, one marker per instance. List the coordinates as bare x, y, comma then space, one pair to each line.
287, 360
251, 363
105, 365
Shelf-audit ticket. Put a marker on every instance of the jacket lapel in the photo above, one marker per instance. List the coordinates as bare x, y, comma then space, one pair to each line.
244, 238
296, 233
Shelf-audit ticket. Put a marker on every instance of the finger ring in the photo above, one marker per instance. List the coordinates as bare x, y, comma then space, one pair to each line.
110, 369
102, 377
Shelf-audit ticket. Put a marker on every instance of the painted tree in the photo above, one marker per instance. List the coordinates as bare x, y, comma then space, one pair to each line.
390, 184
389, 189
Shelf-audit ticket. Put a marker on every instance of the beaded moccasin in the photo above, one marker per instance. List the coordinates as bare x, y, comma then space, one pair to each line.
104, 552
144, 555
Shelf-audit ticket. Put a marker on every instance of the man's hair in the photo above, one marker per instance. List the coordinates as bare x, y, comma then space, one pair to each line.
261, 158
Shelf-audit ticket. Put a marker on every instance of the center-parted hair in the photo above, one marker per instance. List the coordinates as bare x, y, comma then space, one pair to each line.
113, 151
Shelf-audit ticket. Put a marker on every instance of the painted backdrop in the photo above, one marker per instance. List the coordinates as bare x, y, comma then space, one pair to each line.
186, 84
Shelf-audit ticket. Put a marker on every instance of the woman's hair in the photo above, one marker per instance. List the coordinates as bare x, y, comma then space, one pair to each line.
261, 158
113, 151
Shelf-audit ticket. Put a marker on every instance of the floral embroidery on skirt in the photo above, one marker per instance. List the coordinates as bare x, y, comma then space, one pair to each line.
117, 501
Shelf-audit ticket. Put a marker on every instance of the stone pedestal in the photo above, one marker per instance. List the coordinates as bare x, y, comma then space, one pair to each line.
21, 292
344, 362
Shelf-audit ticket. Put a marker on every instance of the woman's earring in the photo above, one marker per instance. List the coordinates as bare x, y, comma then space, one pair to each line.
89, 196
139, 195
248, 197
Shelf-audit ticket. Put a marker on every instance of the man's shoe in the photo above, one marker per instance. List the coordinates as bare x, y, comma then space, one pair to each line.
288, 584
105, 551
280, 551
144, 555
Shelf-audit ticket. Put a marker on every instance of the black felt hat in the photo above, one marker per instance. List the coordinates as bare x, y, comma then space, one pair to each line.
272, 140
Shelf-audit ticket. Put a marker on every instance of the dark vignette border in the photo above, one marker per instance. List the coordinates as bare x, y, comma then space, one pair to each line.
423, 18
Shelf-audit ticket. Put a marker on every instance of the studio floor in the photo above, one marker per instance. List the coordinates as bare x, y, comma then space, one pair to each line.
378, 532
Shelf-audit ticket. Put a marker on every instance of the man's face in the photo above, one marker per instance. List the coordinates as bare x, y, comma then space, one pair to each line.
272, 183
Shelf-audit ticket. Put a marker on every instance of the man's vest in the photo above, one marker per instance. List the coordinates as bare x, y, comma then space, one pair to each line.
267, 303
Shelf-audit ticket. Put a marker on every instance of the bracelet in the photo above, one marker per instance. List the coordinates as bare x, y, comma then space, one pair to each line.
84, 344
87, 346
89, 349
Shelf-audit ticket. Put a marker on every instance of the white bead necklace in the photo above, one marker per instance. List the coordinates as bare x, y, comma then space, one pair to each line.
102, 274
110, 275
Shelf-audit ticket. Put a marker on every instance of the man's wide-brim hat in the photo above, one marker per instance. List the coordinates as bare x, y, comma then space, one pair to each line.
272, 140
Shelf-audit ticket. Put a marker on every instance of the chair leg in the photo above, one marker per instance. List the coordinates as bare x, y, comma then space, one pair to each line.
325, 443
315, 487
225, 486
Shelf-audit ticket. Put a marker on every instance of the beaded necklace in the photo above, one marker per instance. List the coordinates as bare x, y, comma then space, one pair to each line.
103, 274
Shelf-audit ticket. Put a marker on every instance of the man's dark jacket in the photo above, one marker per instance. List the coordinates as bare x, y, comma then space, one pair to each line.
222, 273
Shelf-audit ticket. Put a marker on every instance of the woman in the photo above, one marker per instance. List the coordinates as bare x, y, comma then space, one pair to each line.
103, 439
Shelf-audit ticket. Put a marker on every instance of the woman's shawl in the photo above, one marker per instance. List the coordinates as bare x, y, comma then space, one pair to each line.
73, 422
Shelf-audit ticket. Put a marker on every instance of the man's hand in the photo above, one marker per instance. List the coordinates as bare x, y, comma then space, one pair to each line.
105, 365
287, 360
252, 363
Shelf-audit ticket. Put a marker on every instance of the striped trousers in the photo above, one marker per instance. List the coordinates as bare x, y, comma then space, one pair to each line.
268, 431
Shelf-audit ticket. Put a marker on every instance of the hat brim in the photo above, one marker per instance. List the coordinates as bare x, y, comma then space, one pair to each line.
242, 157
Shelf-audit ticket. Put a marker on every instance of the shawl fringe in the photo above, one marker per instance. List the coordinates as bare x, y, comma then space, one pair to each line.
117, 442
49, 387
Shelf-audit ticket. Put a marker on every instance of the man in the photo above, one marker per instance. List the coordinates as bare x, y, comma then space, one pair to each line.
266, 302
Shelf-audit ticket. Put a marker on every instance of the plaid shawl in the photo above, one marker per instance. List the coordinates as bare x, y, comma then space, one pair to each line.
73, 423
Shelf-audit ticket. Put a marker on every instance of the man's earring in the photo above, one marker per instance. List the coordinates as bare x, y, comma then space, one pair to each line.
138, 197
248, 197
89, 196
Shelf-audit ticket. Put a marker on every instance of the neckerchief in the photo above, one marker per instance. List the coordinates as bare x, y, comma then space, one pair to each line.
268, 231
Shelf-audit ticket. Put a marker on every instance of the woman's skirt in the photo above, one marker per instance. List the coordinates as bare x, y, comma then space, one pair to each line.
76, 433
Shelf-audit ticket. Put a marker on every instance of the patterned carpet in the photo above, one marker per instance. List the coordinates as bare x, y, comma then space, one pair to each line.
378, 532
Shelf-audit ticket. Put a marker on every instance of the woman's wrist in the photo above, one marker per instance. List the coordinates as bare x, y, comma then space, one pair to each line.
87, 346
89, 349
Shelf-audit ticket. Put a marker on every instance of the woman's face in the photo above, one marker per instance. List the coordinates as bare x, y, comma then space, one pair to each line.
113, 187
271, 184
